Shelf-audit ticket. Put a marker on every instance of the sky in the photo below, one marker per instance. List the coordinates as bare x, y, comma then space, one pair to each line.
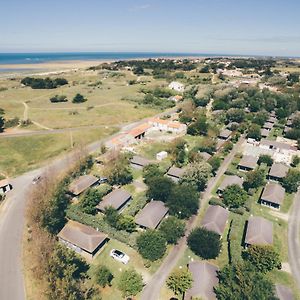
257, 27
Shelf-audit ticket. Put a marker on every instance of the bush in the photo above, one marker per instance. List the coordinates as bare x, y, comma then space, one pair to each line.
234, 196
40, 83
79, 99
103, 276
58, 98
130, 283
172, 229
216, 201
204, 243
266, 159
239, 210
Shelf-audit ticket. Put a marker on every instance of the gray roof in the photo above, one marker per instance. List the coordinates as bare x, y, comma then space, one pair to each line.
206, 156
82, 183
268, 125
278, 170
220, 143
283, 293
82, 236
230, 180
277, 145
140, 161
152, 214
225, 133
248, 161
259, 231
116, 199
264, 132
273, 192
175, 172
204, 280
272, 119
215, 219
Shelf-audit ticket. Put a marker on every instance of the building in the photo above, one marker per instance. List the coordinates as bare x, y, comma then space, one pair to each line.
139, 131
248, 163
205, 278
225, 134
283, 293
230, 180
273, 195
220, 143
268, 125
151, 215
215, 219
82, 239
120, 141
176, 98
278, 171
82, 183
272, 119
5, 186
161, 155
175, 173
206, 156
139, 162
259, 232
116, 199
274, 145
176, 86
168, 126
264, 132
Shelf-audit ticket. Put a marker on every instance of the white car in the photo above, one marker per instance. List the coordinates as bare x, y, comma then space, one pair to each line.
119, 256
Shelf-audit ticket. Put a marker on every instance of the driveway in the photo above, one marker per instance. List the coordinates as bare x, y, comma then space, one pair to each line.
152, 289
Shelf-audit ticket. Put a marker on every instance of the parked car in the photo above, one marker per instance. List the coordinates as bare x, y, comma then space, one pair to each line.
103, 180
119, 256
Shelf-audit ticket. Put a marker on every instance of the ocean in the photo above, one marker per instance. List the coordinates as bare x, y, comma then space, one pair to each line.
36, 58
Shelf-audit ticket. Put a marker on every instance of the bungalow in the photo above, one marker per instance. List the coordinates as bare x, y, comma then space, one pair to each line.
206, 156
176, 86
139, 162
151, 215
220, 143
259, 232
273, 195
83, 239
278, 171
205, 279
283, 293
272, 120
230, 180
5, 186
215, 219
82, 183
268, 125
248, 163
225, 134
139, 131
264, 132
175, 173
116, 199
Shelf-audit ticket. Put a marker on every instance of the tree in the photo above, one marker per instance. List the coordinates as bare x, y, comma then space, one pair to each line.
215, 163
159, 188
177, 151
204, 243
89, 201
255, 179
197, 175
58, 98
183, 201
241, 281
254, 132
265, 159
180, 281
130, 283
234, 196
235, 115
172, 229
199, 127
151, 171
126, 222
79, 99
296, 160
111, 216
103, 276
291, 181
2, 122
262, 258
151, 244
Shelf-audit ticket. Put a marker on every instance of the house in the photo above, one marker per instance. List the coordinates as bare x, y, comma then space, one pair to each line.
268, 125
264, 132
283, 293
176, 98
151, 215
206, 156
248, 163
259, 232
230, 180
205, 278
225, 134
82, 183
168, 125
273, 195
176, 86
272, 120
278, 171
82, 239
161, 155
175, 173
5, 186
139, 162
139, 131
120, 141
220, 143
117, 199
215, 219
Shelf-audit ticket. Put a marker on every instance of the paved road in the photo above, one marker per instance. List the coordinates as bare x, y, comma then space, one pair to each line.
152, 288
293, 238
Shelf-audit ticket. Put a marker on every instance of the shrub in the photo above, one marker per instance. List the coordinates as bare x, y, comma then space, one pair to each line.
79, 99
130, 283
216, 201
103, 276
234, 196
172, 229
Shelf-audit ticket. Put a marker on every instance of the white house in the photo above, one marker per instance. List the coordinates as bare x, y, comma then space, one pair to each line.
167, 125
161, 155
176, 86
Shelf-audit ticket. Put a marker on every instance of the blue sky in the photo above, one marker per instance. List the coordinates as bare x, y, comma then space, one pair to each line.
270, 27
